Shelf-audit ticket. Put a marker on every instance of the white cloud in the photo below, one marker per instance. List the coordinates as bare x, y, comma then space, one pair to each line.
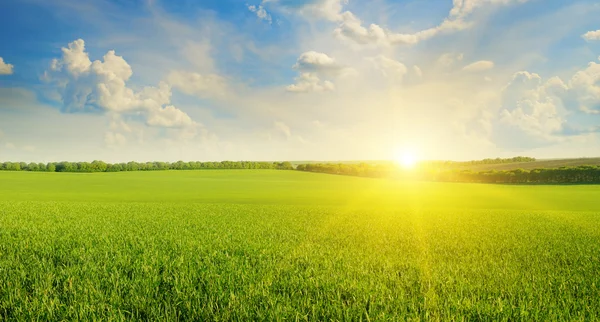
584, 87
204, 86
323, 9
351, 27
101, 85
591, 35
308, 82
479, 66
261, 13
529, 105
169, 116
542, 109
313, 61
313, 68
5, 68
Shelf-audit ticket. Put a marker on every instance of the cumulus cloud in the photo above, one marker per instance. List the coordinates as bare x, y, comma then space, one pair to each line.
313, 61
591, 35
201, 85
261, 13
169, 116
584, 88
479, 66
542, 109
5, 68
531, 106
309, 82
101, 86
316, 71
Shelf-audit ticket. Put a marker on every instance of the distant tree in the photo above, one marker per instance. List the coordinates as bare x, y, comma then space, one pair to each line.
99, 166
33, 167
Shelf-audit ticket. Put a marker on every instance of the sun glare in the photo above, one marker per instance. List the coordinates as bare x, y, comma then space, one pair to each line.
407, 159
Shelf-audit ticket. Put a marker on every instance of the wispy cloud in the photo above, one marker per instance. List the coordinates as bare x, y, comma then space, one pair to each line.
261, 13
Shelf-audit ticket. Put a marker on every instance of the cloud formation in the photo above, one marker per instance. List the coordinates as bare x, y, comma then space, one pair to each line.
591, 35
313, 61
532, 106
309, 82
451, 104
351, 27
542, 109
100, 86
479, 66
5, 68
261, 13
313, 67
201, 85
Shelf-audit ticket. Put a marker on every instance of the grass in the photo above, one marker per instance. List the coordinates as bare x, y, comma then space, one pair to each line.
282, 245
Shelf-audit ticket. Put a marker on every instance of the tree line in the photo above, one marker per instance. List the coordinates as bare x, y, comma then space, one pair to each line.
101, 166
426, 171
518, 159
562, 175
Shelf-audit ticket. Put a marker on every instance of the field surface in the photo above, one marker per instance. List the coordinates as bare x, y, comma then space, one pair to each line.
248, 245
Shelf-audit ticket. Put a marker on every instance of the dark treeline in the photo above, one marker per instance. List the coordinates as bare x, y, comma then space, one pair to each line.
100, 166
563, 175
373, 170
518, 159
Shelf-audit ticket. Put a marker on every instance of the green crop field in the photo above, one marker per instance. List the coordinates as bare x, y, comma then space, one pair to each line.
252, 245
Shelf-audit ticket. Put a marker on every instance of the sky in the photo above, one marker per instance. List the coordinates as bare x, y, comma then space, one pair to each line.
210, 80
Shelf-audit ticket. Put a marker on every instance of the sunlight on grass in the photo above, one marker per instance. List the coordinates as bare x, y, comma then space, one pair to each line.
274, 245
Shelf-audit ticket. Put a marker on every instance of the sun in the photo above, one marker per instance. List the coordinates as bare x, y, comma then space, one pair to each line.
407, 159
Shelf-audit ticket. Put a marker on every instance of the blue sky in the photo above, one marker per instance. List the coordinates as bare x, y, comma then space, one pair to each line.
298, 80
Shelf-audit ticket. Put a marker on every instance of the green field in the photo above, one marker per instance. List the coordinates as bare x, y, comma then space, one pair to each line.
253, 245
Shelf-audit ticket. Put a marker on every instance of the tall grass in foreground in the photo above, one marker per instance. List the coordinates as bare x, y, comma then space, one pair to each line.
167, 261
